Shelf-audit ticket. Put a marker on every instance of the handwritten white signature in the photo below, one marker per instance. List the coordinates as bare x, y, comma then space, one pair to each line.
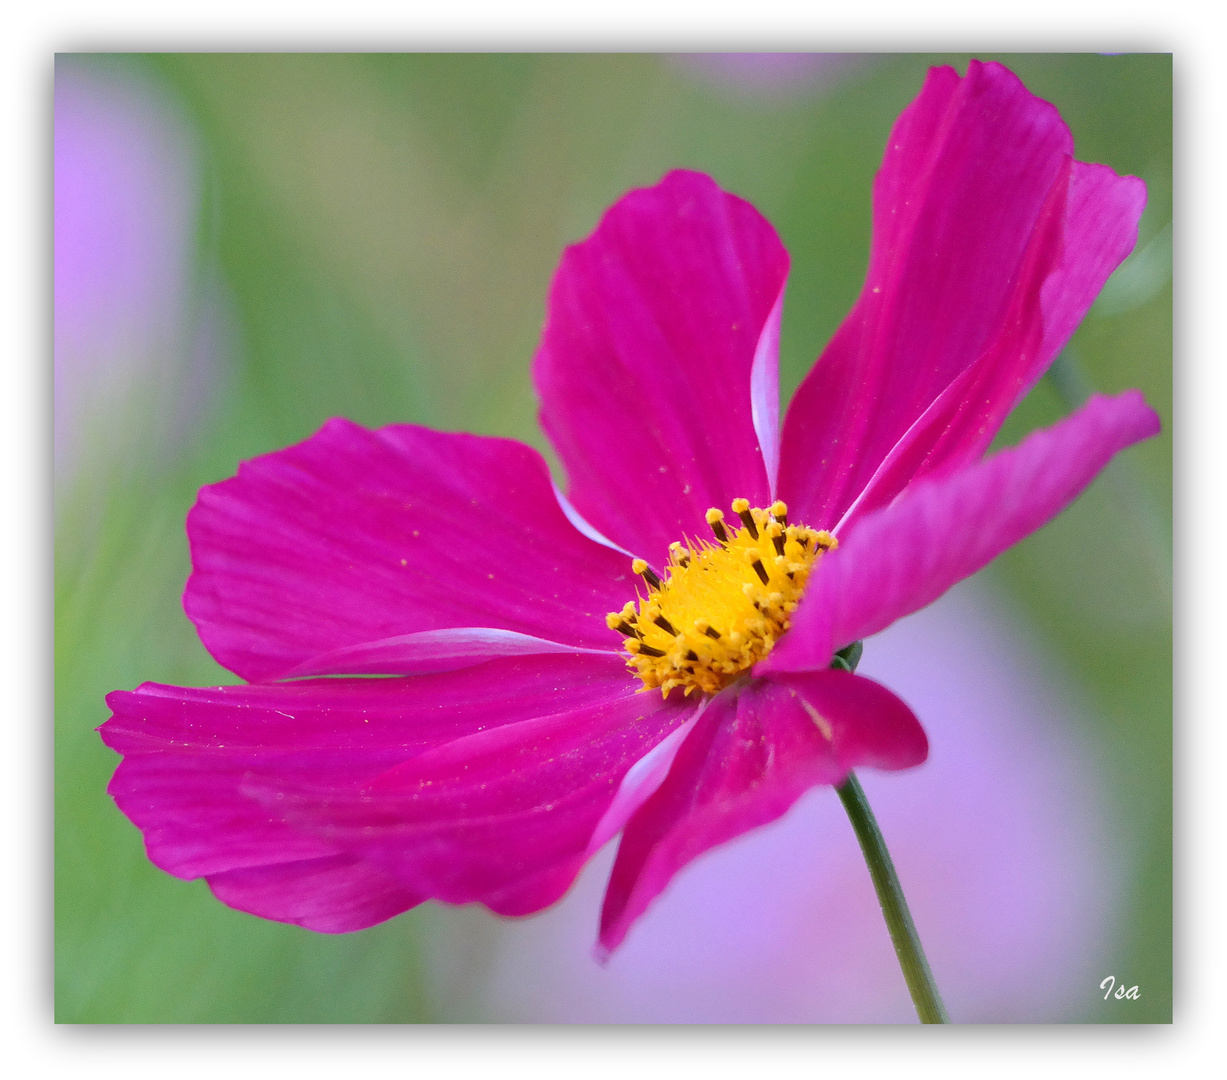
1121, 992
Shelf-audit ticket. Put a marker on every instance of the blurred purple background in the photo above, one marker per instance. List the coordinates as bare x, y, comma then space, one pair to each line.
136, 318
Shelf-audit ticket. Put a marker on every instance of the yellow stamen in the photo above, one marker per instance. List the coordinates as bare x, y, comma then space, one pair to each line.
719, 608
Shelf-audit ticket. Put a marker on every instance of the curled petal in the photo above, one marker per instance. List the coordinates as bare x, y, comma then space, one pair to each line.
354, 537
431, 651
765, 393
751, 755
941, 530
658, 362
990, 243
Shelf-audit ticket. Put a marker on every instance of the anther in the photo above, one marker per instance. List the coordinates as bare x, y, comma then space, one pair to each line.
705, 581
741, 507
776, 532
622, 626
646, 572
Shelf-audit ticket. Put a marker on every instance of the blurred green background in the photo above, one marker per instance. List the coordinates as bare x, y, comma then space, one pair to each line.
373, 238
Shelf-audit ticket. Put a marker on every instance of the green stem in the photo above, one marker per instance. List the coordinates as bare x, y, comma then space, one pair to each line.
894, 907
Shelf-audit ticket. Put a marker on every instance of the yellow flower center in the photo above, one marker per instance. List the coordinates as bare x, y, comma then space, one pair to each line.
720, 607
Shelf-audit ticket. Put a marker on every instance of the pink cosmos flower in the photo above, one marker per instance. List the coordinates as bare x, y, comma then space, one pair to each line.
537, 697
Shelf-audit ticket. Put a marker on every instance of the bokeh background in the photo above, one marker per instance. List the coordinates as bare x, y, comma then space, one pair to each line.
248, 245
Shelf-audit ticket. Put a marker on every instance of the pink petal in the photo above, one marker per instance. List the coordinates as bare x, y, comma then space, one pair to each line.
354, 537
961, 421
659, 358
500, 814
189, 755
753, 753
989, 246
535, 892
1101, 229
1097, 230
640, 783
334, 894
899, 559
482, 783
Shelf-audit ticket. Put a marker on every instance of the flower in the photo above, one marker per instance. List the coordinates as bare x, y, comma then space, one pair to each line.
537, 697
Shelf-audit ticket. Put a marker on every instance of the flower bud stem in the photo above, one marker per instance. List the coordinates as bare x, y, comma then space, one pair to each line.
903, 934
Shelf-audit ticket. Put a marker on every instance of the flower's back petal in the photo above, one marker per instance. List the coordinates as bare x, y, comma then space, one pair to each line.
989, 246
357, 536
659, 355
901, 558
749, 758
1101, 229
